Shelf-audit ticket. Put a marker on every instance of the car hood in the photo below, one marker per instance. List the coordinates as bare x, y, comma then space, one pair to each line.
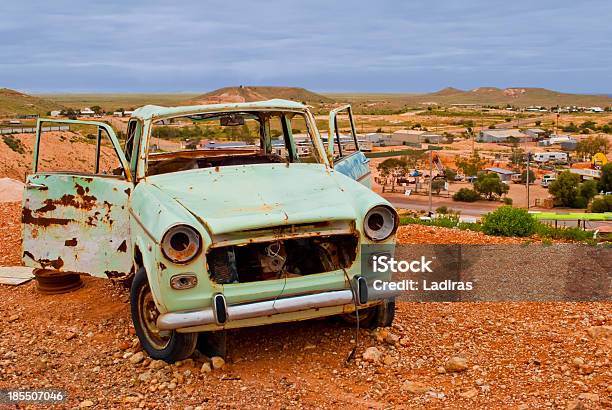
237, 198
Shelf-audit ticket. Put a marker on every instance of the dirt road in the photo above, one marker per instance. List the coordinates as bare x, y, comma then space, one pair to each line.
436, 355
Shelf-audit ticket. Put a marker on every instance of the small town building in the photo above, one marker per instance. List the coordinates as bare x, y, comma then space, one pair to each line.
87, 111
535, 133
55, 113
504, 174
407, 137
505, 135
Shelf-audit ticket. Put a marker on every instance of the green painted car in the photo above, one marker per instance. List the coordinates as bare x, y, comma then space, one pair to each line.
268, 227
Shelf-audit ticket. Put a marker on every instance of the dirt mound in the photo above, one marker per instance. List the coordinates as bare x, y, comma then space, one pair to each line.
14, 102
11, 190
249, 94
57, 150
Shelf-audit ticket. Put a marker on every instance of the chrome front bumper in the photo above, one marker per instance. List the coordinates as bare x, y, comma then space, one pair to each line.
220, 313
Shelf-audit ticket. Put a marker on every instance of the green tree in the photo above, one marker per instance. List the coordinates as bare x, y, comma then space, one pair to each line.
517, 156
565, 188
490, 186
437, 185
524, 177
587, 190
97, 109
472, 165
605, 182
592, 145
450, 174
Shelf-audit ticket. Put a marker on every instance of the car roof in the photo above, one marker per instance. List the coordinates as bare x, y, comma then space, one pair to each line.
155, 111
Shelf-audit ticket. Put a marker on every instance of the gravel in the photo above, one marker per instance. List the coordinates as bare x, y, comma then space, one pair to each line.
521, 354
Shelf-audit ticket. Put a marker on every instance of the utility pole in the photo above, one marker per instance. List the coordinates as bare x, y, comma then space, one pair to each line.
528, 160
430, 179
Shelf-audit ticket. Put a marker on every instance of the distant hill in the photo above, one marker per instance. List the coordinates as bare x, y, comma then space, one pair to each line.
248, 94
517, 96
15, 103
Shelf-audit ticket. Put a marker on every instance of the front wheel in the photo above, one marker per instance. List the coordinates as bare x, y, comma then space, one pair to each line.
166, 345
381, 315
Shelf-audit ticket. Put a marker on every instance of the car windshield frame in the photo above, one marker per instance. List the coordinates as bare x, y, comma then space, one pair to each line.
309, 121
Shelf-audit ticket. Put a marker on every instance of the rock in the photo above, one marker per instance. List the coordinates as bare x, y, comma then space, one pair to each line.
456, 364
372, 355
217, 362
392, 339
575, 405
70, 335
468, 394
145, 377
380, 334
441, 370
86, 403
123, 345
206, 368
600, 332
389, 360
136, 358
588, 396
414, 387
13, 318
578, 362
157, 364
310, 347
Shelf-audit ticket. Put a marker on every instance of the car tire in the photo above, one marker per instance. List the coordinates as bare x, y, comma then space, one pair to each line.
168, 346
381, 315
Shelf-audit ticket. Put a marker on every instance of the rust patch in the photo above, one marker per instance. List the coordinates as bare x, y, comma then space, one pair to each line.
71, 242
113, 274
127, 191
28, 218
54, 263
122, 247
162, 266
92, 219
49, 206
29, 255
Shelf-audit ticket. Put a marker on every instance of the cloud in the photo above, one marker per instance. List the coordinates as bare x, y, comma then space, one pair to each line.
328, 46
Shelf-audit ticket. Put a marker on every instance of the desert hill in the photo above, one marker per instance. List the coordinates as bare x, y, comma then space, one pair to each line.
15, 103
517, 96
248, 94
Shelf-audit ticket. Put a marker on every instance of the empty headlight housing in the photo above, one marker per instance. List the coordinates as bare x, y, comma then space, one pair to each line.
380, 223
181, 243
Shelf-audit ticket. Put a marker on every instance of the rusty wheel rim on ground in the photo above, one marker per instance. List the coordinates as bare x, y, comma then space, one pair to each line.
54, 282
148, 313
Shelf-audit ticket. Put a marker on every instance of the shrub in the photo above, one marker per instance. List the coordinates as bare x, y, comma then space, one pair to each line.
580, 202
508, 221
573, 234
14, 144
442, 210
466, 195
507, 201
603, 204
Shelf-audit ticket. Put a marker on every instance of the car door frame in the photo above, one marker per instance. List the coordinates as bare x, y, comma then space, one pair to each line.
356, 164
85, 221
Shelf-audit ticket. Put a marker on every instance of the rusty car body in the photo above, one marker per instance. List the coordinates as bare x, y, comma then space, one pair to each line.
216, 239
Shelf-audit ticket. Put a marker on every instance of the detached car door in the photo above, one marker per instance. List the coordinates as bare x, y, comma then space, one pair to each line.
345, 150
75, 204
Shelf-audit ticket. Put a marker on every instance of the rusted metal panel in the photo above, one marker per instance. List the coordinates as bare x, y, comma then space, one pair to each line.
77, 224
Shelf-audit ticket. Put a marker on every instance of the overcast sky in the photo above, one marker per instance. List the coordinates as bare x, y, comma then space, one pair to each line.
387, 46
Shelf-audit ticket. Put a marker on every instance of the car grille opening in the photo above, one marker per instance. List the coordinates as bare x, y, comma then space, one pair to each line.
284, 258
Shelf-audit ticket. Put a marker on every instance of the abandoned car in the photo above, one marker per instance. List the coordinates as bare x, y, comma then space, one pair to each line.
267, 228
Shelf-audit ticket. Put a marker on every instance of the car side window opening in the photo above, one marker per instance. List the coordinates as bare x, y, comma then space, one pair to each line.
229, 138
345, 136
90, 151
